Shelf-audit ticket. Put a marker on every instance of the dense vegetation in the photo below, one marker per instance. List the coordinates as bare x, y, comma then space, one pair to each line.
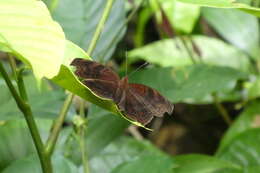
204, 56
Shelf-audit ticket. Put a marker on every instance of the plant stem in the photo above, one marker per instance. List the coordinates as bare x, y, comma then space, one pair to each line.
82, 108
129, 17
83, 149
26, 110
100, 26
53, 5
82, 144
190, 53
223, 112
13, 65
51, 142
21, 86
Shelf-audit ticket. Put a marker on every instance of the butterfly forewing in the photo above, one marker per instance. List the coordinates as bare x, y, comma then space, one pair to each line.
87, 69
100, 79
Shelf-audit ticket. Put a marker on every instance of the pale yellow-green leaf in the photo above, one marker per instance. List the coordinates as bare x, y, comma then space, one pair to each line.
225, 4
182, 16
28, 31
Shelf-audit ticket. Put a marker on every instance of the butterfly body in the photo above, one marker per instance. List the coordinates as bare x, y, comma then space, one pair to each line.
138, 102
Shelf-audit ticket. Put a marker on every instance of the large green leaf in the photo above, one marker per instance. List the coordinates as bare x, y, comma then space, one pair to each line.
97, 134
79, 20
243, 149
225, 4
31, 164
16, 141
122, 150
193, 83
203, 164
233, 25
171, 52
248, 119
28, 31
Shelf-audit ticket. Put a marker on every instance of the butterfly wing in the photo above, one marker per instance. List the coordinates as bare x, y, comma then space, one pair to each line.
100, 79
87, 69
102, 88
142, 103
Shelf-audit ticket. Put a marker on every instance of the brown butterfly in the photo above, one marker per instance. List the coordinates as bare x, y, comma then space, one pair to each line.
136, 101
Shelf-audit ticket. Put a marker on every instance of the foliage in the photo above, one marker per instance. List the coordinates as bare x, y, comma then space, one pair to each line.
196, 54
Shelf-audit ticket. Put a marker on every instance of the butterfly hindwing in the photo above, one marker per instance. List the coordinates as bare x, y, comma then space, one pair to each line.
142, 103
151, 98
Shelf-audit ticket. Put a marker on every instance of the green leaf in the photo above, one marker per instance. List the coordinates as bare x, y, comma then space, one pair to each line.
253, 88
225, 4
203, 164
69, 81
182, 16
229, 23
16, 141
147, 163
191, 84
171, 52
29, 32
97, 134
66, 79
97, 139
122, 150
252, 169
243, 149
31, 164
79, 20
248, 119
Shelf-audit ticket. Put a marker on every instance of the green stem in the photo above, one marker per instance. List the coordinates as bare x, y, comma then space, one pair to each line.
190, 53
21, 86
100, 26
82, 108
83, 149
53, 5
26, 110
223, 112
129, 17
13, 65
51, 142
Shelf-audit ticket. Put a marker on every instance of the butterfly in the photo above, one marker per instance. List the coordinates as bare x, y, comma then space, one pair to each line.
136, 101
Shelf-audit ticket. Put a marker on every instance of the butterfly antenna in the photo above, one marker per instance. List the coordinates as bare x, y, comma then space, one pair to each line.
141, 66
126, 56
